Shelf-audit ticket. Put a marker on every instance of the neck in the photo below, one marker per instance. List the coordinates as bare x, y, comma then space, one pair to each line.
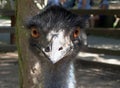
59, 75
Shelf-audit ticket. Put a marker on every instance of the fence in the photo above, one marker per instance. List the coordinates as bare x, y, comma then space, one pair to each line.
11, 30
110, 32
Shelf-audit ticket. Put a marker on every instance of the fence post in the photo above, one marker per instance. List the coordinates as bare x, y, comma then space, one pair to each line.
12, 35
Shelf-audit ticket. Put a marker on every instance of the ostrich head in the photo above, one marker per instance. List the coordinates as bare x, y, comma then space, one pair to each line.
56, 33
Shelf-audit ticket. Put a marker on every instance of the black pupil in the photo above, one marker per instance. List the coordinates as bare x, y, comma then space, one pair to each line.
34, 32
76, 32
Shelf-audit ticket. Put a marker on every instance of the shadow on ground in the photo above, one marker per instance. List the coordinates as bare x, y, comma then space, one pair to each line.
8, 73
97, 75
89, 74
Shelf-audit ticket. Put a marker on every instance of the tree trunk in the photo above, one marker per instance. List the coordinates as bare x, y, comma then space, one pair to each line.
25, 9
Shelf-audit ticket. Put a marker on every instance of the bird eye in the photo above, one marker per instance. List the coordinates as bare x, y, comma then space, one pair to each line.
76, 33
35, 33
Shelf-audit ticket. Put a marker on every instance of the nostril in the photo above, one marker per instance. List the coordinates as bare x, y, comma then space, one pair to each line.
47, 49
60, 48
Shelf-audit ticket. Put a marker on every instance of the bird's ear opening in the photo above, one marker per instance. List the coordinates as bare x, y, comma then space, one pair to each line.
83, 38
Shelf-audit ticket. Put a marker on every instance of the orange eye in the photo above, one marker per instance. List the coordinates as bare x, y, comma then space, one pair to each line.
35, 33
76, 33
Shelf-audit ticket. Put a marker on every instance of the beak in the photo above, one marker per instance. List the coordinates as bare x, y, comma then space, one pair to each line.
58, 48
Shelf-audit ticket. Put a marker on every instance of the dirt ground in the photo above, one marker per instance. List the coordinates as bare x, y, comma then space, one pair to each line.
97, 75
8, 70
89, 74
8, 73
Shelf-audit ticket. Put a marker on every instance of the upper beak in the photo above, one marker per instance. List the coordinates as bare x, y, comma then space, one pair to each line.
58, 48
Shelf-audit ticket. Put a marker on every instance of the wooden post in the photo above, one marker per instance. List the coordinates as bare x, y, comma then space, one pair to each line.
25, 9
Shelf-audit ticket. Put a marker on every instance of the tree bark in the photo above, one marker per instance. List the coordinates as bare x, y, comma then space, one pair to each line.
25, 9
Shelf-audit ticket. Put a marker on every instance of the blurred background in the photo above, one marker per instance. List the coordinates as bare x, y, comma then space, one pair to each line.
102, 25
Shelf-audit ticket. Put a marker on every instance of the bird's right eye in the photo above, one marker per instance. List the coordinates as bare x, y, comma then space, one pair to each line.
76, 32
35, 33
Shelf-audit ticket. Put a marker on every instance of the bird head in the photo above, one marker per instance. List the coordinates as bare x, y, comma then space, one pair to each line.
56, 33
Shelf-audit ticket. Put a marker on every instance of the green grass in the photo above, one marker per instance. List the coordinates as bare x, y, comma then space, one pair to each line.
4, 17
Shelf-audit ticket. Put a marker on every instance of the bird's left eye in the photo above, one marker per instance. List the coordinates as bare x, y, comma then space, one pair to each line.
35, 33
76, 32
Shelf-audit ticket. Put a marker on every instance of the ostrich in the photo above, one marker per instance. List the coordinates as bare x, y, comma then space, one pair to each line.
55, 38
